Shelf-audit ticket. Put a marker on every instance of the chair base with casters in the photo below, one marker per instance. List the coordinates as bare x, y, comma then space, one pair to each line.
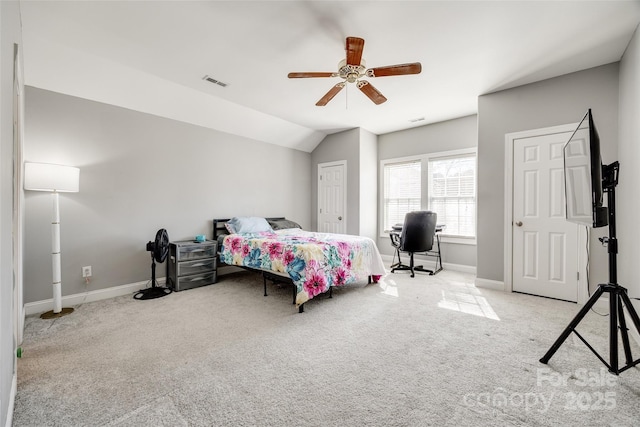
411, 267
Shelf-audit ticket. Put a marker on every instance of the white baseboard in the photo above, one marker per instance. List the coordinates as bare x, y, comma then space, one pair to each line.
489, 284
459, 267
12, 398
431, 263
38, 307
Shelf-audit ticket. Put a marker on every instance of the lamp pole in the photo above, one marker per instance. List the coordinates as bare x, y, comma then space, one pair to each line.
57, 311
55, 255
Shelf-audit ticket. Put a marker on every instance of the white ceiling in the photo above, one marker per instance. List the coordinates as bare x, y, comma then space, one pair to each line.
151, 56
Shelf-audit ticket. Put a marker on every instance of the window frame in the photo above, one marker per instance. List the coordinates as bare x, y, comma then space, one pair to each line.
424, 160
383, 164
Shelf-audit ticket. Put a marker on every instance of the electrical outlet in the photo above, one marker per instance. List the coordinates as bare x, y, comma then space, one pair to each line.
86, 271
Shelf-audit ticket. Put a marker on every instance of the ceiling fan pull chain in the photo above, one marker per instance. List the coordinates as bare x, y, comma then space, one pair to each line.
346, 99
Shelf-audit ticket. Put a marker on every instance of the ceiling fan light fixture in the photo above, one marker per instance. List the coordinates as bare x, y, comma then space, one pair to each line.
351, 73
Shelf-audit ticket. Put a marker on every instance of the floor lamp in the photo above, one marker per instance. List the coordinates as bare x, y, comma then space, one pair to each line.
56, 179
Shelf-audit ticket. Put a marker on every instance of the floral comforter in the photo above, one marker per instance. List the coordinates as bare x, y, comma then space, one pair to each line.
314, 261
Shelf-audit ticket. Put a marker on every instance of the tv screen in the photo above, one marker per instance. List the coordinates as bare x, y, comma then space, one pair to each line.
583, 176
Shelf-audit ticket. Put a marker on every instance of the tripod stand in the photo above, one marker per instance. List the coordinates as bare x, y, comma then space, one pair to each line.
618, 298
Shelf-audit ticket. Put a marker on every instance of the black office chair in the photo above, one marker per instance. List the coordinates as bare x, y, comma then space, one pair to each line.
417, 236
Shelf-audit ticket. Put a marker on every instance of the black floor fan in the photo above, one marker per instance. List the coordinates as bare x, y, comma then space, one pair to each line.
159, 250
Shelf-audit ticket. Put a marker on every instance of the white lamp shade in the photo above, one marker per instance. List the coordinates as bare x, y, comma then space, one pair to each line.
48, 177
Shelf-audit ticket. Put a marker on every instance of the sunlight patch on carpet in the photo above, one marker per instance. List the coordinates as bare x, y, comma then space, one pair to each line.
389, 287
467, 303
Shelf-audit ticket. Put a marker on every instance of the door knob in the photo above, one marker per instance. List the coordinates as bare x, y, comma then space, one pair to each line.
519, 223
339, 218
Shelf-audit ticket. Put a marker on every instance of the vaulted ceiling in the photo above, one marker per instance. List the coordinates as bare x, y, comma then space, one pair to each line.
151, 56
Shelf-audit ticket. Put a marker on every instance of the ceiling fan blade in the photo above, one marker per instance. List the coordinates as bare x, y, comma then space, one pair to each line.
305, 75
354, 50
373, 93
329, 95
395, 70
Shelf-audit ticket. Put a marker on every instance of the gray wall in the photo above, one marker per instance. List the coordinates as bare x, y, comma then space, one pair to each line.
10, 34
139, 173
433, 138
339, 146
359, 148
552, 102
368, 184
629, 156
443, 136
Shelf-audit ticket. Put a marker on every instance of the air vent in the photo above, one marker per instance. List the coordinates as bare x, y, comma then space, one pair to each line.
419, 119
212, 80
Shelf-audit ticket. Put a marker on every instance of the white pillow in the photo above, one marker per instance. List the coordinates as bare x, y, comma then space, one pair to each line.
251, 224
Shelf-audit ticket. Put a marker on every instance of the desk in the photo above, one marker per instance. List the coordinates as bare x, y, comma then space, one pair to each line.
397, 231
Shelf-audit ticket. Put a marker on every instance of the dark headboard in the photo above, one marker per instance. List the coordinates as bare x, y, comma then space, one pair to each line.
219, 228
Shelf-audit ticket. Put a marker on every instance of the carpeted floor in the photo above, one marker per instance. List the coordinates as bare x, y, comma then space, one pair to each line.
433, 350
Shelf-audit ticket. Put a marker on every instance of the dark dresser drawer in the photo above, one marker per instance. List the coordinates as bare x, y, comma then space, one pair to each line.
186, 268
194, 281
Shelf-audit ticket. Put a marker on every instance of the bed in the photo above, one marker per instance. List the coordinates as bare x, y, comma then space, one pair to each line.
313, 263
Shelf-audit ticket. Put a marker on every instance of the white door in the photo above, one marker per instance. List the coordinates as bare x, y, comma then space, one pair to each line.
545, 244
332, 197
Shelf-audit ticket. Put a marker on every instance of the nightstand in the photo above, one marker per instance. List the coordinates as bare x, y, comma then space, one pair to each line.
191, 264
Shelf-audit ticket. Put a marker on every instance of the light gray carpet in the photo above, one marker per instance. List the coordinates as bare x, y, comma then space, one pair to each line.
433, 350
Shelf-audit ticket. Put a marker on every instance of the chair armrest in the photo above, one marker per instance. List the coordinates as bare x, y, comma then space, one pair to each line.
395, 239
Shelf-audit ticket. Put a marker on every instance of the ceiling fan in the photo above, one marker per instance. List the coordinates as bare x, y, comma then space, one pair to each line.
353, 68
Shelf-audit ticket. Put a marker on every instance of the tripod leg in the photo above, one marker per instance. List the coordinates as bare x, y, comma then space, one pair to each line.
583, 312
614, 301
631, 310
623, 331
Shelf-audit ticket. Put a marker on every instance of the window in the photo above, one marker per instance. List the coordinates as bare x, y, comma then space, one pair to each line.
441, 182
402, 191
452, 193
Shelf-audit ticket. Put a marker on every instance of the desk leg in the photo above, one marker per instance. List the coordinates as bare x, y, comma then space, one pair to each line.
439, 257
392, 266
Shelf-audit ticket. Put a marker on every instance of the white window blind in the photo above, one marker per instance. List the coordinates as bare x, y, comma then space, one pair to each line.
452, 193
402, 191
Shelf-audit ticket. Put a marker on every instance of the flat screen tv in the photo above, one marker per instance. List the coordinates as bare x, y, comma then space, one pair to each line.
584, 195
